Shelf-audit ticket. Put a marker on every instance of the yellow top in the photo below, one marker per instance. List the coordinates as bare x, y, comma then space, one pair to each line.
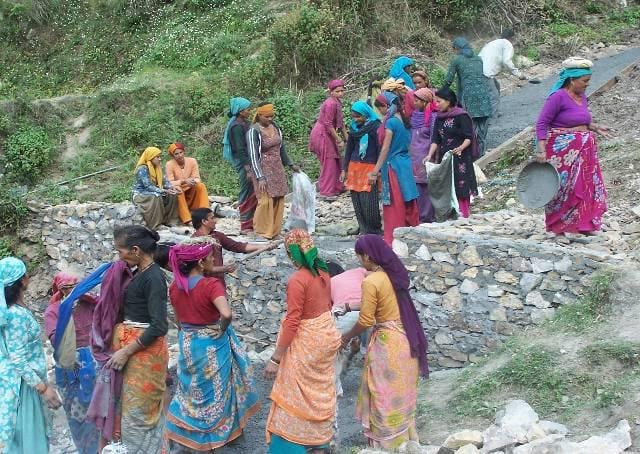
379, 302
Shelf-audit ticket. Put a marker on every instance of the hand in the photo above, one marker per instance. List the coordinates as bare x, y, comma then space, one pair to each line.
51, 398
191, 182
295, 168
230, 268
119, 359
345, 341
271, 245
339, 311
271, 370
541, 157
427, 159
262, 186
373, 177
342, 176
604, 131
174, 191
457, 151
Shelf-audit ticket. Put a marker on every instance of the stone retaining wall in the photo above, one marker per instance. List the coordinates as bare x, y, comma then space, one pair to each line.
474, 281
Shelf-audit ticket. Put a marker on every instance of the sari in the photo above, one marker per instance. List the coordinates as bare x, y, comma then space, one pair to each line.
143, 387
325, 147
215, 396
304, 396
582, 198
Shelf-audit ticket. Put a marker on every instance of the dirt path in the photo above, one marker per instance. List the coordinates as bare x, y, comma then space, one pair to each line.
521, 108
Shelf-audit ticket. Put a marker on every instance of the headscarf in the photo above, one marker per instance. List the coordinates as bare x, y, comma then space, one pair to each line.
463, 46
572, 67
424, 94
303, 252
267, 109
11, 270
381, 254
397, 71
364, 109
421, 73
175, 146
155, 172
236, 105
393, 84
61, 280
184, 253
382, 99
335, 83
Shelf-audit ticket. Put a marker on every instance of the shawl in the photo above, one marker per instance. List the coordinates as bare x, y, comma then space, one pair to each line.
65, 311
185, 253
11, 270
303, 252
463, 47
236, 105
155, 172
381, 254
397, 71
456, 111
362, 132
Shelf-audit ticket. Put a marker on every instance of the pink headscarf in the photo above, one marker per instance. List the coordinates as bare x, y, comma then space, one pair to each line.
60, 281
184, 253
335, 83
424, 94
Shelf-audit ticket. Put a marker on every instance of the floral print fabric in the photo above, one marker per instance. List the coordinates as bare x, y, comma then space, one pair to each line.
215, 395
582, 199
388, 394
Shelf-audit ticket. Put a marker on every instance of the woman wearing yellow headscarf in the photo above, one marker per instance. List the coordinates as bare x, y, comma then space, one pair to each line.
152, 192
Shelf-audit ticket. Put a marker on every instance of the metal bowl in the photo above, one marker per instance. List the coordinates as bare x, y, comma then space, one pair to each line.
538, 183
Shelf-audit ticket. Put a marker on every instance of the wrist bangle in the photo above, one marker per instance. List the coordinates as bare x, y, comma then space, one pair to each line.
277, 363
139, 342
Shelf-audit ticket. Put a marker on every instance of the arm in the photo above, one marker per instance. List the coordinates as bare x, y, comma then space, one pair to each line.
169, 171
239, 145
142, 175
348, 151
167, 184
195, 172
284, 157
253, 144
156, 295
19, 343
543, 124
451, 73
436, 140
51, 321
226, 315
295, 304
466, 127
507, 60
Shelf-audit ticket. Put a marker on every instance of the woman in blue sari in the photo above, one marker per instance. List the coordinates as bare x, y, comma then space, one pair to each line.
215, 395
23, 369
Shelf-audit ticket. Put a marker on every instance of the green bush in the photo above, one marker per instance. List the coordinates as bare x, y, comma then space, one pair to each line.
564, 29
310, 43
12, 209
27, 152
289, 116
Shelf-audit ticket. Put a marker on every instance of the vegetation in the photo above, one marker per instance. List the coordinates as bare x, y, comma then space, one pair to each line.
155, 71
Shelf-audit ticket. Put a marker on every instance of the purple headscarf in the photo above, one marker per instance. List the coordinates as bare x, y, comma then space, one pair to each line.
381, 254
335, 83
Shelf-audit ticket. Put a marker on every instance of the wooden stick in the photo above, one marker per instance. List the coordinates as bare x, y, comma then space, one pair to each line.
82, 177
254, 253
245, 336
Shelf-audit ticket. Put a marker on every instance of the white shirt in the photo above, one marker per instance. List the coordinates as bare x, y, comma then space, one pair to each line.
495, 56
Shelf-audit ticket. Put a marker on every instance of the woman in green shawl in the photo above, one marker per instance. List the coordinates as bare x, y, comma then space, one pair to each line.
473, 89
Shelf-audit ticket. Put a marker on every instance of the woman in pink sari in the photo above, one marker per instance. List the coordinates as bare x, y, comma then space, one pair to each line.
328, 137
567, 139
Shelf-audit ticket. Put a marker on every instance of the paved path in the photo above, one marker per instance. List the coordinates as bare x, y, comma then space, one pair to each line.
521, 108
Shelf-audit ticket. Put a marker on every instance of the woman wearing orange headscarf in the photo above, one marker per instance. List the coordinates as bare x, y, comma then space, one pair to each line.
268, 160
304, 396
152, 192
184, 175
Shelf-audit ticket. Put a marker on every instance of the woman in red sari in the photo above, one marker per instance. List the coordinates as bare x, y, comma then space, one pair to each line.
567, 139
328, 137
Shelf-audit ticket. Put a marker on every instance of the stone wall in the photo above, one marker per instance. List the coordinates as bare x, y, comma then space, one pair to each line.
477, 281
474, 281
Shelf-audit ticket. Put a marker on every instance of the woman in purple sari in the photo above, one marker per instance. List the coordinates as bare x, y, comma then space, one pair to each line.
421, 127
328, 137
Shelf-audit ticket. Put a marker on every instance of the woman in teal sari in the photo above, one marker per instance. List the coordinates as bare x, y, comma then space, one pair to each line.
23, 368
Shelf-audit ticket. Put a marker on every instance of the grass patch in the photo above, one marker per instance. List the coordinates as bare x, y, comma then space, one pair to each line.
513, 158
624, 352
593, 306
532, 372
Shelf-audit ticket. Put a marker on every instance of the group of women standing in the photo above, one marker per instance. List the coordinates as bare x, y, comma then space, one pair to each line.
387, 146
121, 334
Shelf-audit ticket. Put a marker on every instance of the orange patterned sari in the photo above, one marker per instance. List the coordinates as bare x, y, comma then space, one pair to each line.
143, 390
303, 396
